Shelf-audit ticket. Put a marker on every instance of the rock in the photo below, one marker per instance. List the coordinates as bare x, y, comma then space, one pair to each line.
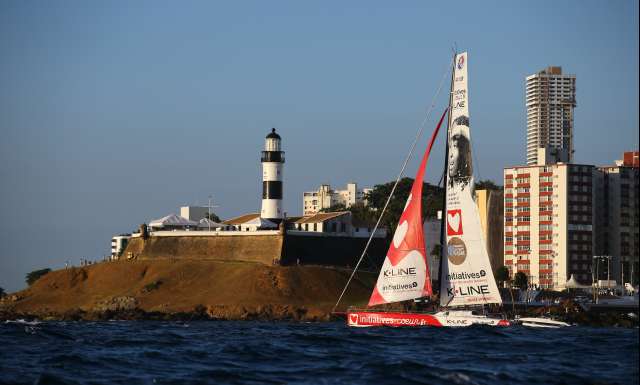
116, 304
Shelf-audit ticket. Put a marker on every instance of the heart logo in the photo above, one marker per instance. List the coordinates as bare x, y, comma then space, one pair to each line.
404, 280
401, 232
353, 318
454, 222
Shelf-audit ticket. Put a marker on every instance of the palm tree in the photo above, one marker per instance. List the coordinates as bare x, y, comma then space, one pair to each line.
520, 280
502, 275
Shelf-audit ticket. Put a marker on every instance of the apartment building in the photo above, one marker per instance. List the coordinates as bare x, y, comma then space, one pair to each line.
550, 100
325, 197
548, 223
616, 220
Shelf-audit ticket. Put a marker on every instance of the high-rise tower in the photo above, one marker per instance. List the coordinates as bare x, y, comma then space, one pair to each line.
272, 164
550, 98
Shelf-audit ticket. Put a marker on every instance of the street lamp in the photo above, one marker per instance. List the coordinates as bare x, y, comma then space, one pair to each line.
608, 270
597, 277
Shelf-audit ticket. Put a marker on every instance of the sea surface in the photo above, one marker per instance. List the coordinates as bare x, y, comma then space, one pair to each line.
148, 352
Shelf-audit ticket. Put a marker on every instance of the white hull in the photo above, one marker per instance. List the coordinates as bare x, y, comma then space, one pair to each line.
463, 318
542, 322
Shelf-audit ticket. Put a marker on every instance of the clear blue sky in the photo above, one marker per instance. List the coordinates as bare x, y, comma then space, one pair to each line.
114, 113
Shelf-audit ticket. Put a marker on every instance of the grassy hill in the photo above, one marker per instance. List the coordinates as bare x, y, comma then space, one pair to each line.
223, 290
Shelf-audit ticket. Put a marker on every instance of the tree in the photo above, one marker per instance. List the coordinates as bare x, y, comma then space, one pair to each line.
2, 292
362, 215
487, 184
502, 275
35, 275
432, 197
334, 208
214, 217
520, 280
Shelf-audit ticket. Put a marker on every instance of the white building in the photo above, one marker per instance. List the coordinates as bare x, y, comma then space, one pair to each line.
249, 222
550, 100
194, 213
325, 197
118, 244
335, 223
173, 222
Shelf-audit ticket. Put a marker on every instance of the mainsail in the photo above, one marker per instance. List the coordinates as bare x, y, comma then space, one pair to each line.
405, 274
466, 277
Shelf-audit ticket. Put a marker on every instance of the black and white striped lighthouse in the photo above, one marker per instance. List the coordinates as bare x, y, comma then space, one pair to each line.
272, 164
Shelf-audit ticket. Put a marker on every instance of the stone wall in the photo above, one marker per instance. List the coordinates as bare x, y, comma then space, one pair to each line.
266, 249
255, 248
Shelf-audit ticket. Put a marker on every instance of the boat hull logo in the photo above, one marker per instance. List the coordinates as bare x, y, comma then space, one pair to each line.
456, 251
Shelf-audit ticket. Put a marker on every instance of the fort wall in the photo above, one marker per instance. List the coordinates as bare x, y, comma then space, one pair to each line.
266, 249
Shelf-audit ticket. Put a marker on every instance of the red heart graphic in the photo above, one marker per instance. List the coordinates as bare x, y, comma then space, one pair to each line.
454, 222
353, 318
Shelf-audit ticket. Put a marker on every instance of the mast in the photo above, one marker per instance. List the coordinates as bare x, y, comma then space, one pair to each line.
466, 275
443, 237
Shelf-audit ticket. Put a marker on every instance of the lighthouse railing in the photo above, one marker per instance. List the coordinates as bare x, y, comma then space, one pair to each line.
272, 156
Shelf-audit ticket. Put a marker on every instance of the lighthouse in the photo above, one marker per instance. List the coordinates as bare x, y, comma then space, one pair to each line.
272, 163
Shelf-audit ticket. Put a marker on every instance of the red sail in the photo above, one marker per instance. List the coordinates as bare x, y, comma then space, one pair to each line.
405, 272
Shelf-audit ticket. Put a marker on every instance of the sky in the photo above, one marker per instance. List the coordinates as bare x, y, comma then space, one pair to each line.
116, 113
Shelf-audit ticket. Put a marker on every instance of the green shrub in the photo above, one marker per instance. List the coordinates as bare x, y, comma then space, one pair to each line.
152, 286
35, 275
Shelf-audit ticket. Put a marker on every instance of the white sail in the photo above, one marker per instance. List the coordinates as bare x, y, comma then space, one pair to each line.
466, 277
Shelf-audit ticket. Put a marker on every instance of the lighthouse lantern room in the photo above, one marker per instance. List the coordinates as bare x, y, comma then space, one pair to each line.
272, 165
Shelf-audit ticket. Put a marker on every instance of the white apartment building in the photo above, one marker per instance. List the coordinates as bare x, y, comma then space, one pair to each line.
548, 223
118, 244
325, 197
550, 100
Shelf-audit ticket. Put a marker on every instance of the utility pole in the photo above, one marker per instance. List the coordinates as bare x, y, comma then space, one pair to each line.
209, 211
622, 275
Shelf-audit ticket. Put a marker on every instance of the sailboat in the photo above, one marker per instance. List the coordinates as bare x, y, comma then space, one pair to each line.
465, 274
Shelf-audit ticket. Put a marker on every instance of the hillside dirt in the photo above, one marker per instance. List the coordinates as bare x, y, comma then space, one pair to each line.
209, 289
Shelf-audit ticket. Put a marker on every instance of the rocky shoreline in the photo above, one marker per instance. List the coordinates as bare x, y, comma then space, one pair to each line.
211, 313
125, 308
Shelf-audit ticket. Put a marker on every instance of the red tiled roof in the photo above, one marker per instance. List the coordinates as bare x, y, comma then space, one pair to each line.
241, 219
321, 217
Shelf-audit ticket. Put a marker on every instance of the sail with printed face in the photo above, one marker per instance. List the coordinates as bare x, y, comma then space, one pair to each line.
405, 273
466, 276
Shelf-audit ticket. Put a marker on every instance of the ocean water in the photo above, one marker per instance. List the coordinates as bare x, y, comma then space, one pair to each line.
146, 352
